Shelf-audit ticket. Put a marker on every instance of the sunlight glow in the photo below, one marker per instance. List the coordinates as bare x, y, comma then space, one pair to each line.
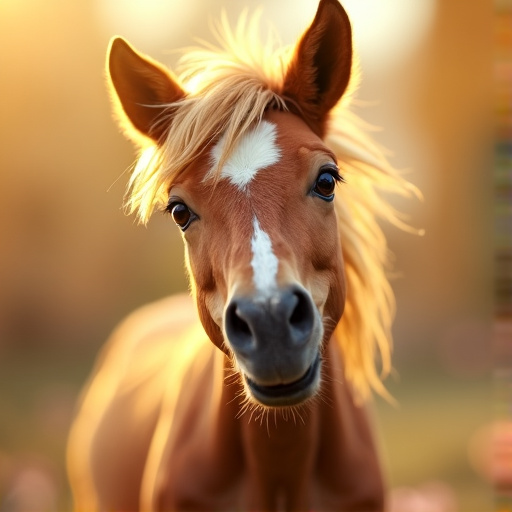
386, 32
157, 24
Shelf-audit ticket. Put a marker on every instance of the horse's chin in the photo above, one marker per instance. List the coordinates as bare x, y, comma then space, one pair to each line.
289, 394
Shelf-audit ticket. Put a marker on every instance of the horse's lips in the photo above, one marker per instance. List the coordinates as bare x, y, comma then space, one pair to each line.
273, 395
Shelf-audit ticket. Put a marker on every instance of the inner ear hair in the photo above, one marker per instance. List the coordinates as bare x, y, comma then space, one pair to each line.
320, 69
141, 88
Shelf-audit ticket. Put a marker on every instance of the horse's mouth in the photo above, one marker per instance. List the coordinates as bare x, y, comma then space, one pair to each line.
292, 393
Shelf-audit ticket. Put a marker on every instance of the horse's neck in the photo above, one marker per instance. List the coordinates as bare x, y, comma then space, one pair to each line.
321, 456
280, 454
325, 445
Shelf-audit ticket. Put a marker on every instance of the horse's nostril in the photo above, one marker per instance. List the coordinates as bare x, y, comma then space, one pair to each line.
239, 324
237, 329
302, 318
301, 315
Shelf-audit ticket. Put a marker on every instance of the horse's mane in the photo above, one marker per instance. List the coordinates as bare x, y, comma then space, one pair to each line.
229, 88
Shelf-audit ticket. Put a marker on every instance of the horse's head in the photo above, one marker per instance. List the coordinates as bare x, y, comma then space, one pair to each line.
254, 201
264, 254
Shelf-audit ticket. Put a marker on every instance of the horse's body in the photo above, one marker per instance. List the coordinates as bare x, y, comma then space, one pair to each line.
165, 433
251, 406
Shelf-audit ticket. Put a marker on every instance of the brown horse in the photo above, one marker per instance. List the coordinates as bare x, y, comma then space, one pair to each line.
257, 406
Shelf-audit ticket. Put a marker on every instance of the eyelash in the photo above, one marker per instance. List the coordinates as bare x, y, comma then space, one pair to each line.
334, 171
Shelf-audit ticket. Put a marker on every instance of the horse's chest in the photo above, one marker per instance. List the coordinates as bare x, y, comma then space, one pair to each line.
201, 459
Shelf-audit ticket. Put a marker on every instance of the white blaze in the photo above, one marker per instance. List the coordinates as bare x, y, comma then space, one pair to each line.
256, 150
264, 262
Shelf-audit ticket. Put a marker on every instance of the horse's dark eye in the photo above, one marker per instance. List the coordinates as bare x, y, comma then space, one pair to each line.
181, 214
326, 183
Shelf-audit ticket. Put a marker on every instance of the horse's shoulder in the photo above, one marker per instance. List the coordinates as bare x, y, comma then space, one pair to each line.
144, 359
162, 322
172, 315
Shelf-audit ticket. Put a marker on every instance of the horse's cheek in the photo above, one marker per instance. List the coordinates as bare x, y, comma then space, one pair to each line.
200, 265
208, 293
210, 325
327, 261
323, 243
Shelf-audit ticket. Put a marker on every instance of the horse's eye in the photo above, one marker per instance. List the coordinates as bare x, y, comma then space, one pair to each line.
181, 214
326, 183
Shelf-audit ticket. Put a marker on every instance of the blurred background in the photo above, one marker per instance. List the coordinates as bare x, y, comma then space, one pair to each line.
72, 264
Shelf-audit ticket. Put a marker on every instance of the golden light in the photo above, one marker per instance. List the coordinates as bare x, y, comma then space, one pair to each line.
147, 23
385, 31
389, 31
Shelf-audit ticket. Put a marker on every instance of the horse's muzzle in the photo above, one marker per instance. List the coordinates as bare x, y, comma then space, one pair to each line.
276, 341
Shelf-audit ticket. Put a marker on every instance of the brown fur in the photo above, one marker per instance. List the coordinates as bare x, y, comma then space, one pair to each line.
166, 423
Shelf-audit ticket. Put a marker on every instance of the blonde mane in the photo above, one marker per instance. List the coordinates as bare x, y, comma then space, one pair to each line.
229, 89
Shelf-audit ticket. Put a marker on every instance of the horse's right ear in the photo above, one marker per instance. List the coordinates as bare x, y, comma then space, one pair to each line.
321, 67
141, 88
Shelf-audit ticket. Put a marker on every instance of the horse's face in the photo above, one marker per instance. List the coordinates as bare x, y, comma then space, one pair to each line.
261, 240
264, 255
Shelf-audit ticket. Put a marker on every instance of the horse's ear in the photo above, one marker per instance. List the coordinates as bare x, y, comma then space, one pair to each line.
320, 68
142, 87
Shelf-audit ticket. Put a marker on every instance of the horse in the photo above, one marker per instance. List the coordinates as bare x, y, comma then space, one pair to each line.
249, 392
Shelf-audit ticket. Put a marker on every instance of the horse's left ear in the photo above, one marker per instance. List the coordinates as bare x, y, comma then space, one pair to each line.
142, 88
319, 71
